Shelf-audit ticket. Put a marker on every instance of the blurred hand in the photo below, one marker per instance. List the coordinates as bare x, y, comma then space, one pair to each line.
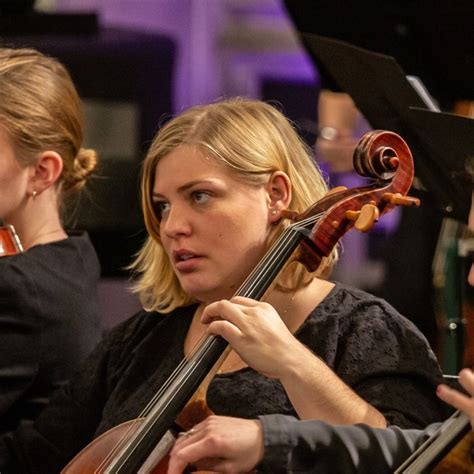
457, 399
340, 126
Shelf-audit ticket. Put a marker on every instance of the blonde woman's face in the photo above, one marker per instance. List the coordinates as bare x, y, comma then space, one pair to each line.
13, 181
213, 227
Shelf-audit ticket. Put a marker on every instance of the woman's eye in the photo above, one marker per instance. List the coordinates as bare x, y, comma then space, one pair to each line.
201, 197
159, 207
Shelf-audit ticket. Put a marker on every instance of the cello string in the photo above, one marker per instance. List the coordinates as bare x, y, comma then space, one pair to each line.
278, 255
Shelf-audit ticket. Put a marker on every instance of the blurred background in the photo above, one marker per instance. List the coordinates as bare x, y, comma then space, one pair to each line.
136, 62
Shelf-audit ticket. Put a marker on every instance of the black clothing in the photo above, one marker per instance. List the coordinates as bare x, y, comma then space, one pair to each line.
291, 445
49, 322
377, 352
412, 293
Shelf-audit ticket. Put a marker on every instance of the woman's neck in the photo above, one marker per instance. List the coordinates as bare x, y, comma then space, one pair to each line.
295, 306
44, 236
38, 226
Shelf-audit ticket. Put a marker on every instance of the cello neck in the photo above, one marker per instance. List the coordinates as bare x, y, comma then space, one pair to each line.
187, 378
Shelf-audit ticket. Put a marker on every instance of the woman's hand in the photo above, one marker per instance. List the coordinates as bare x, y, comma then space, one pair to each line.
260, 337
257, 333
220, 444
457, 399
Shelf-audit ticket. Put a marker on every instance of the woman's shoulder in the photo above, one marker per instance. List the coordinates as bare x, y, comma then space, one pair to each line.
44, 269
352, 307
77, 244
41, 258
344, 298
16, 274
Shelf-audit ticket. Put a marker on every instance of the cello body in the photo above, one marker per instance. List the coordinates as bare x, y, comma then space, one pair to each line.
447, 450
459, 459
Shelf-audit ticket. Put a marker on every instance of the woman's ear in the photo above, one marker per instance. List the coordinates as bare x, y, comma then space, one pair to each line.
46, 172
279, 194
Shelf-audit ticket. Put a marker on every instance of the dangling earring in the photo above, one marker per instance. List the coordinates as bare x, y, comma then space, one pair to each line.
34, 194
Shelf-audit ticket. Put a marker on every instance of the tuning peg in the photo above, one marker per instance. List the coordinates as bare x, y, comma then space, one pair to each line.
337, 189
364, 219
398, 199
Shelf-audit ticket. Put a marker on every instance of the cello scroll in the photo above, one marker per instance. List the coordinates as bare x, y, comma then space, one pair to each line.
382, 156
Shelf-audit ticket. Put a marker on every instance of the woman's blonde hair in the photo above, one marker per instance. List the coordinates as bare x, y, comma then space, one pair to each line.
41, 110
253, 139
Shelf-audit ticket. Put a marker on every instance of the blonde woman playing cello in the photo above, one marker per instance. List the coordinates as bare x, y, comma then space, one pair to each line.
216, 184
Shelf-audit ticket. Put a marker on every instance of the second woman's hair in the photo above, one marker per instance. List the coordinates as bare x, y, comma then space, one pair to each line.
40, 110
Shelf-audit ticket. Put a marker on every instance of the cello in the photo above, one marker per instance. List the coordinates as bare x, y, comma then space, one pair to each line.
447, 450
142, 445
9, 242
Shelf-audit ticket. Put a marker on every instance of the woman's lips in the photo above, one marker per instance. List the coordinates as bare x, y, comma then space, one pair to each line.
188, 264
185, 261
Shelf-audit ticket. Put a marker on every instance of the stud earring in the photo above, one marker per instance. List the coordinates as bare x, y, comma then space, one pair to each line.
34, 194
274, 212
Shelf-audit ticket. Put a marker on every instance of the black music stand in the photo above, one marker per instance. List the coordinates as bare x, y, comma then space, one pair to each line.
432, 41
440, 142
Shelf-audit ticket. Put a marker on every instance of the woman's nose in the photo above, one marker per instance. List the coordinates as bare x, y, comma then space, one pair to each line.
175, 223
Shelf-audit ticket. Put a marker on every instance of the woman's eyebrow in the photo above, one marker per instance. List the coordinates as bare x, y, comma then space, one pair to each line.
187, 186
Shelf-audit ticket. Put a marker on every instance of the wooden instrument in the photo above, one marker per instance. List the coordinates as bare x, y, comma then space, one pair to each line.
9, 242
447, 450
142, 445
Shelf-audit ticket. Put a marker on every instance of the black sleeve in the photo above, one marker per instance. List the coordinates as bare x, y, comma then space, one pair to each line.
291, 445
19, 337
66, 425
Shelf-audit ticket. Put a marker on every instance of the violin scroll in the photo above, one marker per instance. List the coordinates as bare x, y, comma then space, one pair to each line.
9, 242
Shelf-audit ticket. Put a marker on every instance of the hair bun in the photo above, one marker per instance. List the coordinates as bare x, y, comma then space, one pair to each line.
85, 163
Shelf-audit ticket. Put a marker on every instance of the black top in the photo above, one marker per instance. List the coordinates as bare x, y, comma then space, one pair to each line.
49, 322
377, 352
